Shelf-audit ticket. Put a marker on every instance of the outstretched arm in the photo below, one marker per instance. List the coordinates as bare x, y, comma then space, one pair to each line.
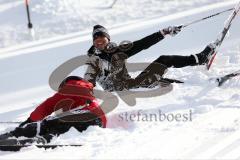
43, 110
151, 40
46, 108
144, 43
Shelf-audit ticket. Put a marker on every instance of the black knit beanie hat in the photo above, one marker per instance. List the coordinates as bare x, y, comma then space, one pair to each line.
99, 30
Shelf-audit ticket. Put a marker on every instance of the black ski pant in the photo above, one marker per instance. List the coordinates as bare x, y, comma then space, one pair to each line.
158, 67
176, 61
50, 128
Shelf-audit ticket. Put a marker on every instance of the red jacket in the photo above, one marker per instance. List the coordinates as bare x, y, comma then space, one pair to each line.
73, 94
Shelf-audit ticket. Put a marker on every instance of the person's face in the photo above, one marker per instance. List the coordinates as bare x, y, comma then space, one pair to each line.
100, 42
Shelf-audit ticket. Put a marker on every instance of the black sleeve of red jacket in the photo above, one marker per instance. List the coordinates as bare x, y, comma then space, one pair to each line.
26, 122
144, 43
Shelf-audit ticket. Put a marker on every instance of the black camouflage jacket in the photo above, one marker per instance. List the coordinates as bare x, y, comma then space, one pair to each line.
108, 67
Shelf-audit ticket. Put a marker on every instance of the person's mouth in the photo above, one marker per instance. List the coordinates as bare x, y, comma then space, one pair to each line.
100, 44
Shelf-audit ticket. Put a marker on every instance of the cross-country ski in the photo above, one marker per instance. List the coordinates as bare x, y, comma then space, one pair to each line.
15, 145
223, 34
222, 80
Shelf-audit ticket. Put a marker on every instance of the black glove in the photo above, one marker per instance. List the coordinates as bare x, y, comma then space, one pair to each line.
171, 30
25, 122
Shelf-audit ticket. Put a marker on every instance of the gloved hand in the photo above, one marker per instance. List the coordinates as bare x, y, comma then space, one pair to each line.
171, 30
25, 122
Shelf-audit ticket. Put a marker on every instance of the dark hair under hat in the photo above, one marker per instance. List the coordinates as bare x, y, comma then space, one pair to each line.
99, 30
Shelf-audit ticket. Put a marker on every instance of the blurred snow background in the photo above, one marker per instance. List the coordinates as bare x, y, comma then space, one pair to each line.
52, 18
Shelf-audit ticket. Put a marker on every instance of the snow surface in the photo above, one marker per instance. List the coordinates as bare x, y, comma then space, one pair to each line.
213, 132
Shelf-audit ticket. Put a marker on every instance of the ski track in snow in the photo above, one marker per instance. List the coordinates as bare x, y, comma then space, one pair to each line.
212, 134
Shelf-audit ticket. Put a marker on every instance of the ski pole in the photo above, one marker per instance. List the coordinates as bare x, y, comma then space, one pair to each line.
30, 25
202, 19
28, 14
114, 2
10, 122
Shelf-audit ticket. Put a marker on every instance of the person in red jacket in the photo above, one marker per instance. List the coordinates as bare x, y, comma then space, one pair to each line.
75, 106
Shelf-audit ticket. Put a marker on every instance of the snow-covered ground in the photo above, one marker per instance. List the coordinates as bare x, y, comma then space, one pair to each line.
52, 18
211, 132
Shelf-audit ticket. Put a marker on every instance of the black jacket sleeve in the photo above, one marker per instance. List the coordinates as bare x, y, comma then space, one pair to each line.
144, 43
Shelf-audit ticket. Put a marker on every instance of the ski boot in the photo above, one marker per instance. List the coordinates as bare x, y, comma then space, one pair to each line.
205, 56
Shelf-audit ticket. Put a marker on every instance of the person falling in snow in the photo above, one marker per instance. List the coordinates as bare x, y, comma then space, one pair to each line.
79, 109
106, 62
